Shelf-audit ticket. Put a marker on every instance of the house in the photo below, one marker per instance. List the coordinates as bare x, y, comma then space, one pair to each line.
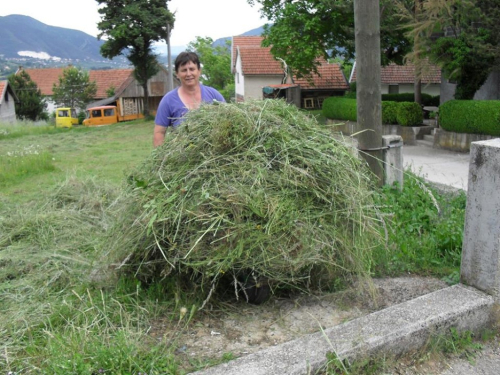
399, 79
114, 86
258, 74
8, 99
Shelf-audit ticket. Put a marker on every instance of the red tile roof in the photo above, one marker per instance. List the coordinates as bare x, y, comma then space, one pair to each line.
45, 78
257, 60
330, 76
117, 78
397, 74
3, 87
243, 42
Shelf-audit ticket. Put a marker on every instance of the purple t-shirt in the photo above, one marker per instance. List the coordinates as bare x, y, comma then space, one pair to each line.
172, 109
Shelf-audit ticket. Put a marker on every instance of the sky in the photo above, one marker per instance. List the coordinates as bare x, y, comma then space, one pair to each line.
205, 18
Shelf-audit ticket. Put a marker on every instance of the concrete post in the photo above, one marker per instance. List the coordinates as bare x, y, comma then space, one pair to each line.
393, 159
481, 245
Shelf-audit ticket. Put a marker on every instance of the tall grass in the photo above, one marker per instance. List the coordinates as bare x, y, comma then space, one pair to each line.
62, 312
424, 230
24, 163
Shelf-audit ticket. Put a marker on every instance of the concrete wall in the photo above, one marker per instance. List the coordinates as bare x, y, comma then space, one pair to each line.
480, 265
457, 141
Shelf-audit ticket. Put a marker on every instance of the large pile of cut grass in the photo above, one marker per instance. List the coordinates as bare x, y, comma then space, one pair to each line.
250, 187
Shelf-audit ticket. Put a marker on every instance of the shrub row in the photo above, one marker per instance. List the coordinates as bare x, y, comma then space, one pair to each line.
427, 100
402, 113
471, 116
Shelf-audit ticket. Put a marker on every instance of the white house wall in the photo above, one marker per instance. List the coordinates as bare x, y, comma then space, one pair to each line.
431, 89
7, 108
239, 80
254, 85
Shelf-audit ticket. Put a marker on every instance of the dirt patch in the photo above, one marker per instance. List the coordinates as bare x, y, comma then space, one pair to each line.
243, 329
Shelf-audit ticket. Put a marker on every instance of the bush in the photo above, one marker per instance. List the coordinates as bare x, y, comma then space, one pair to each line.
340, 108
389, 113
427, 100
471, 116
81, 117
404, 97
409, 114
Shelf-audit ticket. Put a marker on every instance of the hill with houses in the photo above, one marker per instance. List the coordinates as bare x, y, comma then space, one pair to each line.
33, 44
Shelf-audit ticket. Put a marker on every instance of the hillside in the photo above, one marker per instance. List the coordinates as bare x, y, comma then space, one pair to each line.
25, 36
31, 43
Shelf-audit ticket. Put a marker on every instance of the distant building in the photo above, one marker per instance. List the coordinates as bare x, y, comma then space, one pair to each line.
399, 79
8, 99
258, 74
121, 83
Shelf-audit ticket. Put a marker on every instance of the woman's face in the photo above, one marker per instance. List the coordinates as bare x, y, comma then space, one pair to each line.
189, 74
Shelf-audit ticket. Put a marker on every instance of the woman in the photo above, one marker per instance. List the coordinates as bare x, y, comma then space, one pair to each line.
189, 95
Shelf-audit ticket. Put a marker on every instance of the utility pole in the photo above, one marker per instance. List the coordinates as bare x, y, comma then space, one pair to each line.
368, 92
170, 83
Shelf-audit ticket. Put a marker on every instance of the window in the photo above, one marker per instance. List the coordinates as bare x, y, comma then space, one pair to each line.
96, 113
393, 89
63, 113
109, 112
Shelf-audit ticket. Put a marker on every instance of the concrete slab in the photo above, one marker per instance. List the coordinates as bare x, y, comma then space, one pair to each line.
395, 330
439, 166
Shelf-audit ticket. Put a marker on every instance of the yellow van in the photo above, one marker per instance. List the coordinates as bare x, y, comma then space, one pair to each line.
66, 117
103, 115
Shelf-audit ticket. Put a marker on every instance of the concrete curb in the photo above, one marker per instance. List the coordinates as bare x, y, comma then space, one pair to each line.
395, 330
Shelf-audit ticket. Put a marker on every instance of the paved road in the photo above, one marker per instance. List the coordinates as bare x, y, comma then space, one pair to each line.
437, 165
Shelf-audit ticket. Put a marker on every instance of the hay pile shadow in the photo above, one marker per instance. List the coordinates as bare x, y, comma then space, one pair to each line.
255, 188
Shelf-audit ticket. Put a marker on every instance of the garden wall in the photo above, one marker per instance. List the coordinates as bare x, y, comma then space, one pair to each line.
457, 141
410, 134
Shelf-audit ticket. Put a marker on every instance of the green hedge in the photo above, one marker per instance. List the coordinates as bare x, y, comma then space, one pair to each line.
409, 114
389, 113
427, 100
471, 116
341, 108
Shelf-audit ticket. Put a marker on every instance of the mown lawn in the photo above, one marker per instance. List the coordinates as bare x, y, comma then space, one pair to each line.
61, 312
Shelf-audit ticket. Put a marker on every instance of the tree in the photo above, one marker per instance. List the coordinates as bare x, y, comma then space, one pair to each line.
216, 61
301, 31
132, 26
31, 105
74, 89
463, 38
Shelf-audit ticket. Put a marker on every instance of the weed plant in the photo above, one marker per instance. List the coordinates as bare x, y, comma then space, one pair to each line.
424, 229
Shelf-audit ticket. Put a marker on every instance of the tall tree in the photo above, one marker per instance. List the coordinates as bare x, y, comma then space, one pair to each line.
216, 61
463, 38
74, 89
301, 31
31, 104
132, 27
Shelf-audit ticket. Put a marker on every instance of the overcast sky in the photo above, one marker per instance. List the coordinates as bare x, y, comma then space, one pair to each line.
205, 18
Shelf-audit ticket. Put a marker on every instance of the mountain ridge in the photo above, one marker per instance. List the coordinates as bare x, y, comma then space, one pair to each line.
24, 36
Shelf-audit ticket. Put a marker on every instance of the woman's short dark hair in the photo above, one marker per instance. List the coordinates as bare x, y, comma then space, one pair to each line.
184, 57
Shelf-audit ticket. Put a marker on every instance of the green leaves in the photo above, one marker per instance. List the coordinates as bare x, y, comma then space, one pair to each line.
74, 89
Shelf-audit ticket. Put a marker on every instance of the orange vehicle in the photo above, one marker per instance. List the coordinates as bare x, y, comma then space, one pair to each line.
106, 115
